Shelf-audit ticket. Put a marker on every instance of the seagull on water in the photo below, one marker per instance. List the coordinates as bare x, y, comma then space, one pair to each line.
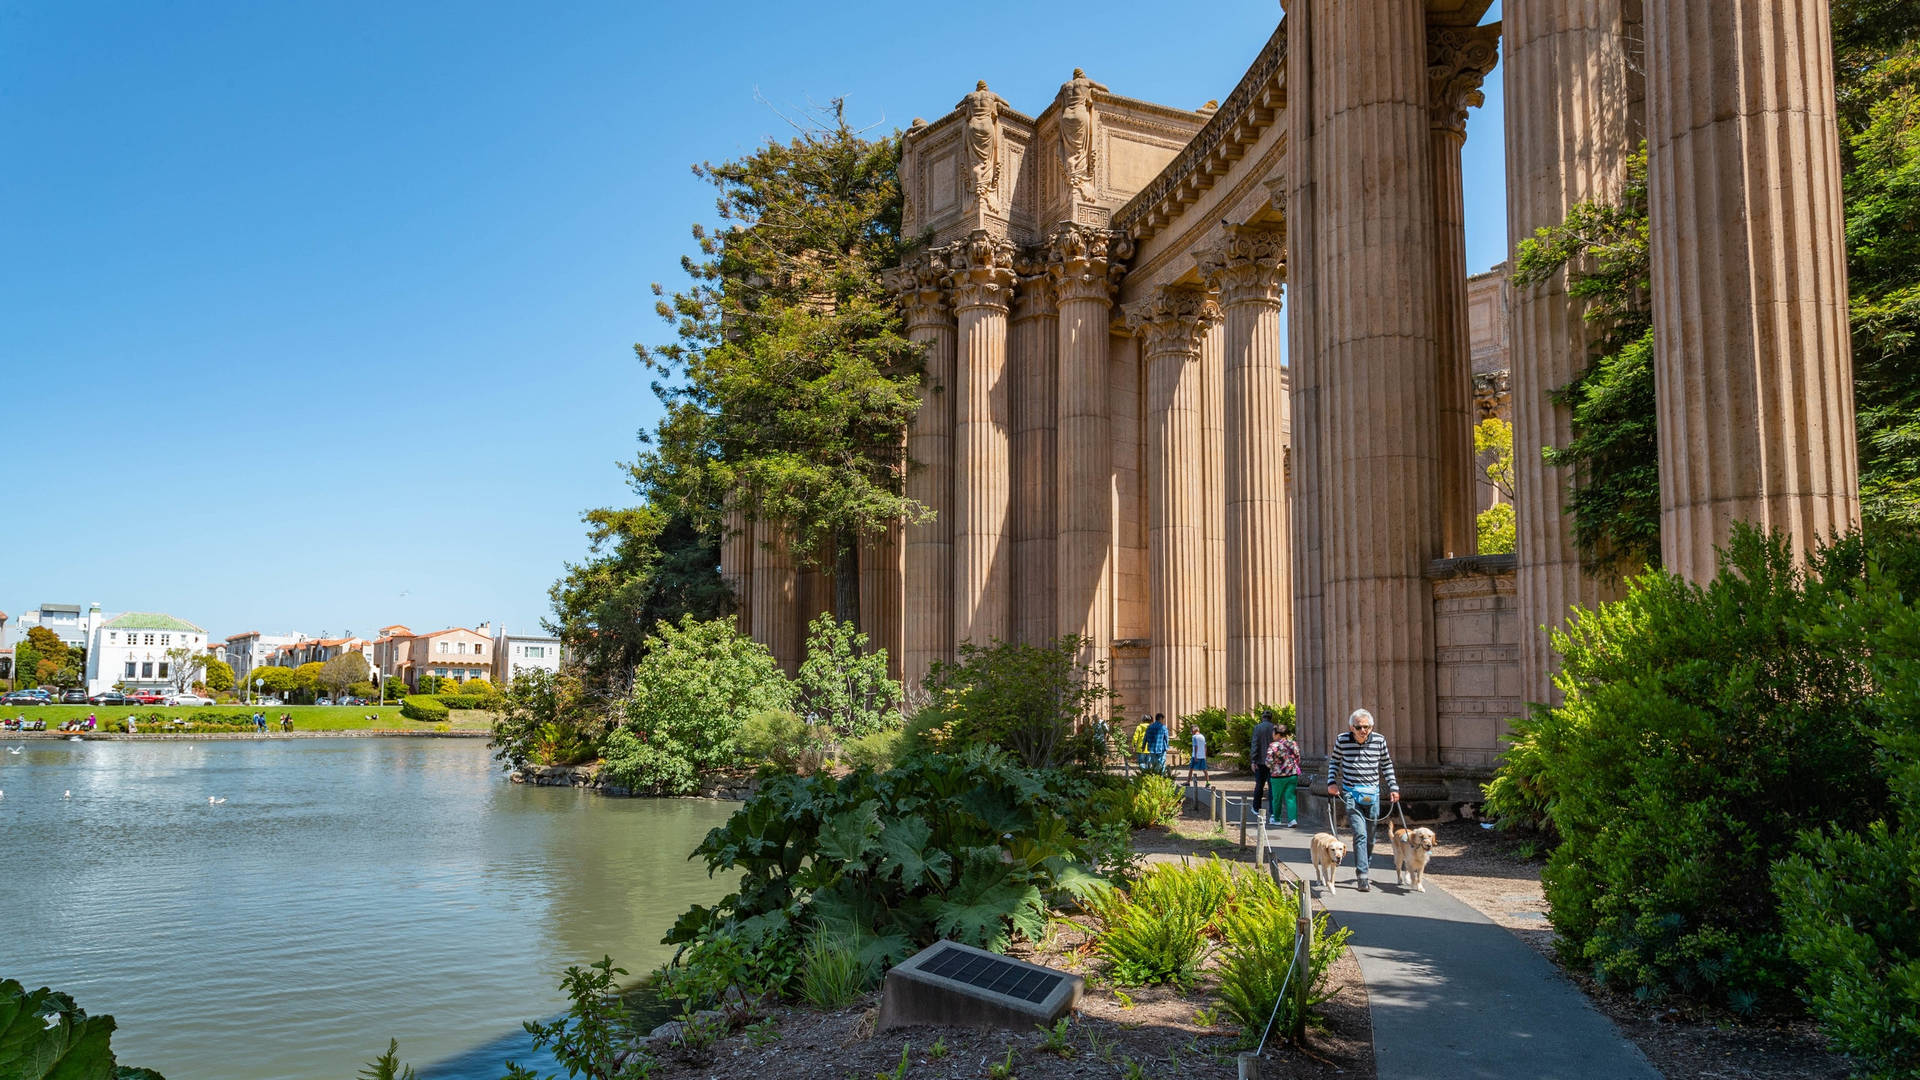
68, 794
211, 801
16, 749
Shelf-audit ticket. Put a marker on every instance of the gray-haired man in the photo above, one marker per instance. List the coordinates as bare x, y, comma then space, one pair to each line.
1356, 770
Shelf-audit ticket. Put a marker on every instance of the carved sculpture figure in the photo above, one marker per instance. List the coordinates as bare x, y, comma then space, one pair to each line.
1076, 134
982, 143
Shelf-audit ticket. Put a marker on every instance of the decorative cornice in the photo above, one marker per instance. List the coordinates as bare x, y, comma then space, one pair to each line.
1248, 266
1254, 105
1087, 263
1174, 320
982, 267
1458, 61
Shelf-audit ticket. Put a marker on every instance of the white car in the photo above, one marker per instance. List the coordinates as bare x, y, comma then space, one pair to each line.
188, 699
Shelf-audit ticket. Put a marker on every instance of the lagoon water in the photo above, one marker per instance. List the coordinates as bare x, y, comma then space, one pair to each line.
348, 890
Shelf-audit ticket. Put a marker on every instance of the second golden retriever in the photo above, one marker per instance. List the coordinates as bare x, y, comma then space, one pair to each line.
1411, 850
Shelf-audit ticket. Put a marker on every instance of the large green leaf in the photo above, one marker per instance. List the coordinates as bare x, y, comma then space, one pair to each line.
849, 835
45, 1036
904, 853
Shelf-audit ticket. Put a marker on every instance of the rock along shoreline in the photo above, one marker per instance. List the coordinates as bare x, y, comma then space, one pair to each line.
733, 787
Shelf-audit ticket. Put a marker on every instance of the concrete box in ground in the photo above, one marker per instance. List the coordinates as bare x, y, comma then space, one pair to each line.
948, 984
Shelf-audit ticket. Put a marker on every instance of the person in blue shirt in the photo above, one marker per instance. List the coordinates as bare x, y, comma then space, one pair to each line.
1157, 744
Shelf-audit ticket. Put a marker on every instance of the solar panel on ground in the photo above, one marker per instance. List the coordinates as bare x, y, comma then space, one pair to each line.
997, 976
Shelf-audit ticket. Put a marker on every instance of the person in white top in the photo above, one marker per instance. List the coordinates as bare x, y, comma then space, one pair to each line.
1199, 761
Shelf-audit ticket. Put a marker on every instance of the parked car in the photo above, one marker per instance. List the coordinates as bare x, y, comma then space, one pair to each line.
188, 698
268, 701
323, 701
148, 697
108, 697
74, 697
26, 697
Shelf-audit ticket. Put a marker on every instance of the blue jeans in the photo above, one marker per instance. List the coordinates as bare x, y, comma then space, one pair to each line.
1363, 811
1157, 762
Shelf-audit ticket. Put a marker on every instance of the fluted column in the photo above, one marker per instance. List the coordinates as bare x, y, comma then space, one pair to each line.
1213, 508
880, 594
982, 550
1085, 264
1173, 326
736, 564
1458, 59
1570, 127
1248, 270
776, 595
1035, 363
1301, 202
1752, 371
1375, 333
927, 562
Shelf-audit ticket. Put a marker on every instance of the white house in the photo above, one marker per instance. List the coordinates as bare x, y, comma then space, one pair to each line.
513, 654
71, 623
131, 650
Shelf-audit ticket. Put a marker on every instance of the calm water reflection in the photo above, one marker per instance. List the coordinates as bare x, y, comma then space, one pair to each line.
346, 891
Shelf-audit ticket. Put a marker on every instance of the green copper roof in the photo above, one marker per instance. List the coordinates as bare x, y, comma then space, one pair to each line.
150, 620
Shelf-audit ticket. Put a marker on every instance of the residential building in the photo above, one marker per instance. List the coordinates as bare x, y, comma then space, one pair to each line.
456, 653
254, 649
132, 651
72, 623
514, 653
318, 650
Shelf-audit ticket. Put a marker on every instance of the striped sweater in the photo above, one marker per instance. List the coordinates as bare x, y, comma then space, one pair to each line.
1355, 762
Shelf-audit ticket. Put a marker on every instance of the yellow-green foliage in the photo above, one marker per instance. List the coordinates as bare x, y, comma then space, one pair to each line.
1156, 931
1152, 799
1259, 924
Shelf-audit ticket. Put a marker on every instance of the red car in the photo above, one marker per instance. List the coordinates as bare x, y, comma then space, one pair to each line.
147, 697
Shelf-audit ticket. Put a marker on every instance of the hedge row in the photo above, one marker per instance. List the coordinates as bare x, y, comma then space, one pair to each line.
425, 707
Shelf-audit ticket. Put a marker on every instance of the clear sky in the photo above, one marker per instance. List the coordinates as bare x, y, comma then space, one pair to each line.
318, 315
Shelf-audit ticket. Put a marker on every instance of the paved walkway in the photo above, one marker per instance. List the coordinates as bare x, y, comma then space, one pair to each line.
1454, 996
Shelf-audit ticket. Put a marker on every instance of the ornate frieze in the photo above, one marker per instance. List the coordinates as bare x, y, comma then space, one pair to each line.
982, 268
1033, 289
1175, 319
1248, 265
1458, 61
1087, 263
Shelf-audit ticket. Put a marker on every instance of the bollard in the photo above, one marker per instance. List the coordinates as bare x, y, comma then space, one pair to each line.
1260, 841
1249, 1063
1303, 944
1243, 822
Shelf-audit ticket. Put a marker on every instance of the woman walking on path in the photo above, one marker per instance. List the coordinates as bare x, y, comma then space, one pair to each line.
1356, 769
1283, 762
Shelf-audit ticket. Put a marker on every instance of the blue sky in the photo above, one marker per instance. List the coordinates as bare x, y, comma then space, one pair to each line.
319, 316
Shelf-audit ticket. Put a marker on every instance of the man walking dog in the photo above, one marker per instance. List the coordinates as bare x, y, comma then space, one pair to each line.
1356, 769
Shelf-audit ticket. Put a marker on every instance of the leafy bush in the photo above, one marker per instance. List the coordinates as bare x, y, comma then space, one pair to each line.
45, 1036
1230, 736
1848, 898
462, 701
590, 1039
1260, 923
425, 707
1156, 930
877, 751
781, 739
692, 693
843, 686
544, 719
1038, 702
968, 846
1703, 725
1150, 799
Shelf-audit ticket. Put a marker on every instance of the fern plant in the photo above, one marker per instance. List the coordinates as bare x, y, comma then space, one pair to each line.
1260, 924
1152, 799
1156, 931
387, 1066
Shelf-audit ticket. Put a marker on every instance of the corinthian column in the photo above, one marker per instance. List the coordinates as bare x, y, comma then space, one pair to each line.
1570, 127
1213, 507
776, 596
927, 564
1752, 374
1248, 270
1085, 264
1457, 61
982, 554
880, 594
736, 565
1374, 325
1036, 377
1172, 325
1298, 196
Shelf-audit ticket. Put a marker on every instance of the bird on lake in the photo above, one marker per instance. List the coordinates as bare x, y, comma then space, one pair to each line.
15, 749
66, 794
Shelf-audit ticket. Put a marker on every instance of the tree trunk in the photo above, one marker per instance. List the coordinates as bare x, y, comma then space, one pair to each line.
846, 581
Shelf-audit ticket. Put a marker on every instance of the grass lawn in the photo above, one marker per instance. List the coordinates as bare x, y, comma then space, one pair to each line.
305, 717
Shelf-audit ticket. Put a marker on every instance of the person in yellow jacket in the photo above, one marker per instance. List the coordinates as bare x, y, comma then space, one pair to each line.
1140, 743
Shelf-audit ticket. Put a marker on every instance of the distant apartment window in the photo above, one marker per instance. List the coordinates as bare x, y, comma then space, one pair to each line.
443, 646
163, 670
166, 639
113, 638
146, 670
478, 649
149, 639
129, 669
536, 652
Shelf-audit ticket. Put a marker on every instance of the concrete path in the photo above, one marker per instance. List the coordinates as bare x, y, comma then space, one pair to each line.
1454, 996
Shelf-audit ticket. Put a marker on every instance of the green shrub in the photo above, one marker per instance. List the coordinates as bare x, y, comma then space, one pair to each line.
543, 718
1848, 898
968, 846
45, 1036
833, 972
590, 1039
1150, 799
1156, 930
692, 693
843, 687
1230, 736
1703, 726
1037, 702
877, 751
780, 738
425, 707
1259, 924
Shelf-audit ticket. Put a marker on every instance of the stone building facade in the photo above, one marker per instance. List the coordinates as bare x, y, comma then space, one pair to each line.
1113, 446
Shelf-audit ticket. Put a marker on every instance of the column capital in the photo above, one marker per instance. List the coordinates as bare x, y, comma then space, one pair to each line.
920, 284
982, 267
1174, 320
1458, 60
1034, 293
1087, 262
1248, 266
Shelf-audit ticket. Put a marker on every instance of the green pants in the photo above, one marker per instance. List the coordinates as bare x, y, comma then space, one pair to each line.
1282, 788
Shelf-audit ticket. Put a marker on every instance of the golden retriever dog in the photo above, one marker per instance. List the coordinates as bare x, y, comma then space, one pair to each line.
1328, 852
1411, 850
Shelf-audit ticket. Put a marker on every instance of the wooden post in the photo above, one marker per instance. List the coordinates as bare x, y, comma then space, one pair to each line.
1243, 821
1303, 965
1260, 841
